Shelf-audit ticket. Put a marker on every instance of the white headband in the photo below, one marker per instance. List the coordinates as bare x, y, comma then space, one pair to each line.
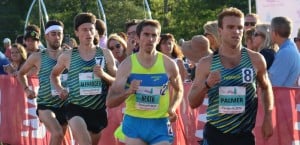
54, 27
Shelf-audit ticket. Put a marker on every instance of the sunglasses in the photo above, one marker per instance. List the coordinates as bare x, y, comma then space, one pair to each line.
296, 39
250, 23
256, 34
116, 46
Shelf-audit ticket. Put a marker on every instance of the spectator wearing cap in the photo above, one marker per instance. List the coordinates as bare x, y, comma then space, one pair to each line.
32, 38
7, 47
297, 40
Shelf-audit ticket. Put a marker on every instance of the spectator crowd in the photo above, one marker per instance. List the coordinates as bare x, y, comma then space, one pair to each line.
79, 80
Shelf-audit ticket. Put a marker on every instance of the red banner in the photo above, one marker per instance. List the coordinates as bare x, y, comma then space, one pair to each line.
19, 124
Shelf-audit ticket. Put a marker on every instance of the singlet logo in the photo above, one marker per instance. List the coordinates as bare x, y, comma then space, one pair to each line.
155, 78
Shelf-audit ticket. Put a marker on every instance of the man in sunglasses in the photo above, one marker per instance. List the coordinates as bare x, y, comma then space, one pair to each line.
130, 29
250, 21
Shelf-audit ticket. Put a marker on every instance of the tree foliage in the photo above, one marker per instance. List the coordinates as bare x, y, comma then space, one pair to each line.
183, 18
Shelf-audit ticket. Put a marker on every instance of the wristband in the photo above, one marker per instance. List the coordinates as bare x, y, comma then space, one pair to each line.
25, 88
206, 85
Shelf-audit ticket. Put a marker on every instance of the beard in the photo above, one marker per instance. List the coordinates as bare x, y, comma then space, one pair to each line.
55, 46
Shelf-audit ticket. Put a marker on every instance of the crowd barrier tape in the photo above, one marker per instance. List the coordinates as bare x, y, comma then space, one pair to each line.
19, 124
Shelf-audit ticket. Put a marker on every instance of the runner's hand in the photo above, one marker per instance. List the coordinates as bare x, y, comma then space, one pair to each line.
30, 94
63, 94
98, 70
172, 115
267, 127
134, 86
213, 78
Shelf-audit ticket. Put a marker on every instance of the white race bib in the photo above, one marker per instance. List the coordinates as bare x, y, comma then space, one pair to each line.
232, 99
147, 98
89, 84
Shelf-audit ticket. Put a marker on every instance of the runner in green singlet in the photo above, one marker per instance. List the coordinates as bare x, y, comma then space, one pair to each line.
229, 78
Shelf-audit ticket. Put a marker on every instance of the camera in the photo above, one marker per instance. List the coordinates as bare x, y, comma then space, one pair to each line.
67, 39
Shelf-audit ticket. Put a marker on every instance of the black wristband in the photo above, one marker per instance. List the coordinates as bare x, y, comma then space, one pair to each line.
206, 85
25, 88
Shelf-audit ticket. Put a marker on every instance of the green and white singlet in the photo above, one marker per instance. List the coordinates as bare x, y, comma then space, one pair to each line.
45, 93
151, 100
233, 102
86, 89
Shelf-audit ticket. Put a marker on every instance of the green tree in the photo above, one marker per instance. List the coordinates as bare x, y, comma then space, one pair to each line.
183, 18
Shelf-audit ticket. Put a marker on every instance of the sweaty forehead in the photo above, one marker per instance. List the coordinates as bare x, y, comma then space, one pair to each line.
150, 29
86, 26
232, 20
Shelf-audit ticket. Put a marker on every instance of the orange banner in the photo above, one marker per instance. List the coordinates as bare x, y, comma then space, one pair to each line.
19, 124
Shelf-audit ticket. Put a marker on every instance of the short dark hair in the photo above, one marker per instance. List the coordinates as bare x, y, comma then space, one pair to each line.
20, 39
100, 27
82, 18
282, 26
53, 22
229, 12
147, 22
130, 23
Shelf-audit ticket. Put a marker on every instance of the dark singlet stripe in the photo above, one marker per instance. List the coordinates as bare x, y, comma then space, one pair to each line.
44, 93
233, 123
78, 65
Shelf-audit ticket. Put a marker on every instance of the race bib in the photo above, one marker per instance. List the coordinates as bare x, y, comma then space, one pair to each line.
147, 98
100, 60
63, 81
89, 84
248, 75
232, 99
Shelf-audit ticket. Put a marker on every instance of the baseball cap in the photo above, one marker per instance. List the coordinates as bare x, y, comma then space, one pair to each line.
6, 40
32, 34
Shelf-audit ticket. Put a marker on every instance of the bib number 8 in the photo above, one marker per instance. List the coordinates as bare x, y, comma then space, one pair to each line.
247, 74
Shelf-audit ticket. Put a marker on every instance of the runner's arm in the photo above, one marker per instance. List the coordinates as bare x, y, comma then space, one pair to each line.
117, 93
